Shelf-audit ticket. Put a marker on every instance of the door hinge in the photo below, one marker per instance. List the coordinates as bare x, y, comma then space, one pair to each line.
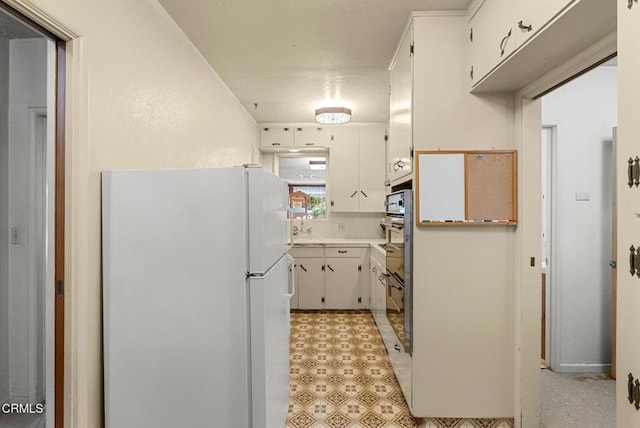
359, 299
60, 287
411, 49
359, 268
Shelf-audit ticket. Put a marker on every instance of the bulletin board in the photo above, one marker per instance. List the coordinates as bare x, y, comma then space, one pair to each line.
475, 188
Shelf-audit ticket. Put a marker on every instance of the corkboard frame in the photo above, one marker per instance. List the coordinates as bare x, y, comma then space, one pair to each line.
507, 186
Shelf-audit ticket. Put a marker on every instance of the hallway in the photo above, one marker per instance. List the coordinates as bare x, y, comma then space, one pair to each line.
578, 400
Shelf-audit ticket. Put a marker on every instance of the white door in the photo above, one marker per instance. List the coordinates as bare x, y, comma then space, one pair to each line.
268, 205
270, 346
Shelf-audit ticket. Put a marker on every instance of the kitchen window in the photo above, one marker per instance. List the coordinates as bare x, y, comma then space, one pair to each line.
306, 177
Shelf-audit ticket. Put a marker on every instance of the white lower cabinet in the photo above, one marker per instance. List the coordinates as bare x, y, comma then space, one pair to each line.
310, 280
331, 278
342, 277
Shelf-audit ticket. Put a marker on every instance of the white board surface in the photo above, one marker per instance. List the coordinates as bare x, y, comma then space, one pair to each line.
442, 191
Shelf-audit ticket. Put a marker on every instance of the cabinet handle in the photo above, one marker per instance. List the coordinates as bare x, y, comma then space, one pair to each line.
503, 43
630, 3
342, 251
396, 347
524, 27
332, 203
354, 193
275, 144
302, 267
365, 195
330, 268
471, 73
309, 144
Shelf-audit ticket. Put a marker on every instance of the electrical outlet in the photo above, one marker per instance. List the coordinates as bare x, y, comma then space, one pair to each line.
16, 235
341, 226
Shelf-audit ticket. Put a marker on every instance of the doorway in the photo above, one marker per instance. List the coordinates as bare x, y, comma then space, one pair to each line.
29, 198
577, 187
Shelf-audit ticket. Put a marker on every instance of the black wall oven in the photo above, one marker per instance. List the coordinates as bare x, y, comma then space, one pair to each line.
399, 249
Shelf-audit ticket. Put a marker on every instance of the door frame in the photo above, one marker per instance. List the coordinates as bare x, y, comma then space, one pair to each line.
23, 13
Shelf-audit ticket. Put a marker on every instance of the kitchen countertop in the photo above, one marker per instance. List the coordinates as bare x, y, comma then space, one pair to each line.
332, 242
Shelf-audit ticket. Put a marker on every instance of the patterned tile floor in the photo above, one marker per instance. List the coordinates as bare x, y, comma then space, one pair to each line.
341, 377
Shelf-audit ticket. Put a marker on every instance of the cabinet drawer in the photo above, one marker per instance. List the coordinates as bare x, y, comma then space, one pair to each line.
300, 252
343, 251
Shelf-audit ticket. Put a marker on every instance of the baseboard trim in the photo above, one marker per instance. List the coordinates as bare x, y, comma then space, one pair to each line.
584, 368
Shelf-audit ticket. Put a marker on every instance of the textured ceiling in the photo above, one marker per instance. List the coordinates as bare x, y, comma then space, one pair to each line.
289, 56
10, 28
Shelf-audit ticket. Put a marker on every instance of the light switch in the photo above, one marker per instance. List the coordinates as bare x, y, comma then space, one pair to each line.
583, 196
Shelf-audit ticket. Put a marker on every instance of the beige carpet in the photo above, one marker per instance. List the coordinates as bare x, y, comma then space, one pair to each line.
341, 377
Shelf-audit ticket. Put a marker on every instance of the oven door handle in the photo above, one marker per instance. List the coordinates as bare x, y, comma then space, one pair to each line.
394, 225
391, 284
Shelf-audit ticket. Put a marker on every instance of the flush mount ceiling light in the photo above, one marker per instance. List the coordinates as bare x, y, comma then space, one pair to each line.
333, 115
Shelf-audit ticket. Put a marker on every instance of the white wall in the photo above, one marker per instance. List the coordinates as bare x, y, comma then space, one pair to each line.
463, 359
27, 89
583, 112
139, 96
4, 221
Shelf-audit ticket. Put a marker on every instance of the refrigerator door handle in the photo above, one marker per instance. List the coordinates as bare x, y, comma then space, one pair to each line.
293, 276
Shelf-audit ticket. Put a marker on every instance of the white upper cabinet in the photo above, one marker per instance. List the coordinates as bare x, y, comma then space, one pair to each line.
279, 136
311, 136
371, 159
491, 36
276, 136
356, 169
343, 170
500, 28
400, 147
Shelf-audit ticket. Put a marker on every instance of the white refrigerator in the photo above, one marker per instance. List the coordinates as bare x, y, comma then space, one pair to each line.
195, 298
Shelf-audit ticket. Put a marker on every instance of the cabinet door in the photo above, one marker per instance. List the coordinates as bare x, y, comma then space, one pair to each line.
371, 169
343, 170
342, 283
535, 14
311, 136
311, 290
493, 36
400, 119
276, 136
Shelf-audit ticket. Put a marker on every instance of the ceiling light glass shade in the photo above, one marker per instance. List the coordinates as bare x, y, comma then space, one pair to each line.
333, 115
